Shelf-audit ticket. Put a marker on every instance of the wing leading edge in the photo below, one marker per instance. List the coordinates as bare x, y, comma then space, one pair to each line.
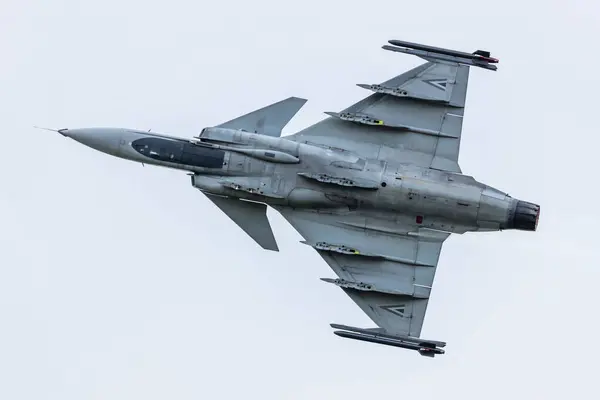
415, 117
269, 120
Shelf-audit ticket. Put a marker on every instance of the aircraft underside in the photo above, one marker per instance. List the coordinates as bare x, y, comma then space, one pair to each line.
375, 189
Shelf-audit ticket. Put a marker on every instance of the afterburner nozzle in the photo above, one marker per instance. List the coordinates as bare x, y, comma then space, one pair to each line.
525, 216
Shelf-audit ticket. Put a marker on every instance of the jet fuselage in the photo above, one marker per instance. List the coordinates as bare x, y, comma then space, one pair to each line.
278, 171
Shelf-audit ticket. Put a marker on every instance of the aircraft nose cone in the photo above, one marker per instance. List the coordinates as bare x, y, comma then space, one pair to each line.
83, 136
105, 140
71, 133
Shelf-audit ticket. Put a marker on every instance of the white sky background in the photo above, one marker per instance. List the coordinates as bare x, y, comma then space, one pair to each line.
123, 282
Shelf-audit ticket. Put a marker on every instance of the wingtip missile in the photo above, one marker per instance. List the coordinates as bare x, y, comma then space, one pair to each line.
423, 350
476, 55
479, 58
428, 348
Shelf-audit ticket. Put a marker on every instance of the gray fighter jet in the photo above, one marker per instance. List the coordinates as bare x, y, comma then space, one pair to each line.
375, 189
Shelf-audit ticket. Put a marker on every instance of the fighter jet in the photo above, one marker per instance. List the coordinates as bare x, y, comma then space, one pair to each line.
375, 188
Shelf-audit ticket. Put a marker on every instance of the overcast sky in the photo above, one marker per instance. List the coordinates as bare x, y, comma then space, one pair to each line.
124, 282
